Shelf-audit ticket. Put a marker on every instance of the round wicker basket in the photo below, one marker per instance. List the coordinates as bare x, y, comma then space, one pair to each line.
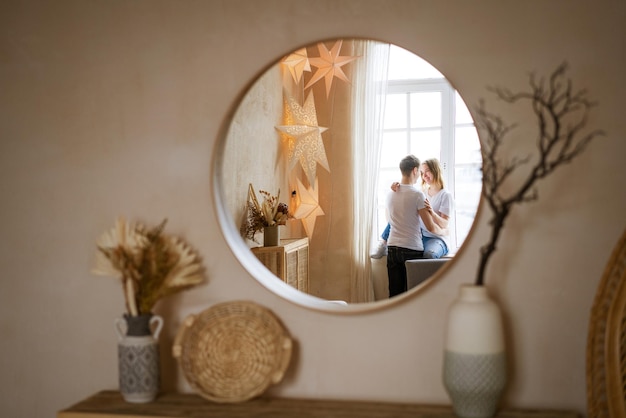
232, 351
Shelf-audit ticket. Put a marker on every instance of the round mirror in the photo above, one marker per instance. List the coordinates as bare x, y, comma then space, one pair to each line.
315, 143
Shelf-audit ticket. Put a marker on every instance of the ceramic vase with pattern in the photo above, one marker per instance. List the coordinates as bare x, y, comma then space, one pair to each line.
138, 357
474, 371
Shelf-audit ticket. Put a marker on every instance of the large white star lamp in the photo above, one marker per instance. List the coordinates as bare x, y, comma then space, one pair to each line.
304, 136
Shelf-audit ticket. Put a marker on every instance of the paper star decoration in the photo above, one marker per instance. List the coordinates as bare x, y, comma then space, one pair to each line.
305, 136
296, 63
329, 65
309, 208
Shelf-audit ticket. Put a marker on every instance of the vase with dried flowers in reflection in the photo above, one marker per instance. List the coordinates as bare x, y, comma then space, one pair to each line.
267, 216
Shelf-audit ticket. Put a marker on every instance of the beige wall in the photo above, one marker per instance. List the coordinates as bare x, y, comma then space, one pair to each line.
253, 152
114, 107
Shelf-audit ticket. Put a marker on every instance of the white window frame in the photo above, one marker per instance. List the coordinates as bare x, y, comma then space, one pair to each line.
448, 129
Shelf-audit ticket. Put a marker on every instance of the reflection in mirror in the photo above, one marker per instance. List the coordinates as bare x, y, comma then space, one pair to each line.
323, 130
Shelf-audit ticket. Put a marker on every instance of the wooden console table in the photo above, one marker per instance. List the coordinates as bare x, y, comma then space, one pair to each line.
109, 404
289, 261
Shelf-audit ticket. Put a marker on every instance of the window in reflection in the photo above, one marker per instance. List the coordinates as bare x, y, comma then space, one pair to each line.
426, 117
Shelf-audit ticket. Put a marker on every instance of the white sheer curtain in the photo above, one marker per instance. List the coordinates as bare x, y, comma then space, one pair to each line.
369, 91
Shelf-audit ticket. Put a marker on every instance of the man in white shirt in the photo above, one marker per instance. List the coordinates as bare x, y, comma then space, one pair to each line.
405, 207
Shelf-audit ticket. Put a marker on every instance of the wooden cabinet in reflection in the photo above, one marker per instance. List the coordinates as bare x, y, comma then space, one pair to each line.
289, 261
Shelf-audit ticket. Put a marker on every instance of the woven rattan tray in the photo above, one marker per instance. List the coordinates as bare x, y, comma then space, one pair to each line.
232, 351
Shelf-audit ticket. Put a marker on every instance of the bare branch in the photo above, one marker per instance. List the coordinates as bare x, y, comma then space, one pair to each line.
561, 115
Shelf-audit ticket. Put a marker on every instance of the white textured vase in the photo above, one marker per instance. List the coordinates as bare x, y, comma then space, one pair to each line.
138, 357
474, 371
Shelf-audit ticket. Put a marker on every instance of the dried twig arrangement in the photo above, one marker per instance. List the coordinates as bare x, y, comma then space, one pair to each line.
561, 115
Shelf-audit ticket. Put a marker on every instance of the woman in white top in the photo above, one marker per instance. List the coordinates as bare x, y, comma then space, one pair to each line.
440, 204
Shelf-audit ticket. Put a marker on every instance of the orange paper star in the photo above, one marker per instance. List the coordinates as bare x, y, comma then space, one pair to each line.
309, 208
296, 63
329, 65
305, 136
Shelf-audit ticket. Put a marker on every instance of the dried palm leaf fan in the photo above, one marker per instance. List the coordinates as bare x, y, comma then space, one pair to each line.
232, 351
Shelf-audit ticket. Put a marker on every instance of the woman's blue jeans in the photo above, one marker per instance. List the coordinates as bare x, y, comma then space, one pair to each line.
434, 247
385, 235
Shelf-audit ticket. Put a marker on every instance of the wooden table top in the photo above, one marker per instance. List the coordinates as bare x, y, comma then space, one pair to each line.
110, 404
